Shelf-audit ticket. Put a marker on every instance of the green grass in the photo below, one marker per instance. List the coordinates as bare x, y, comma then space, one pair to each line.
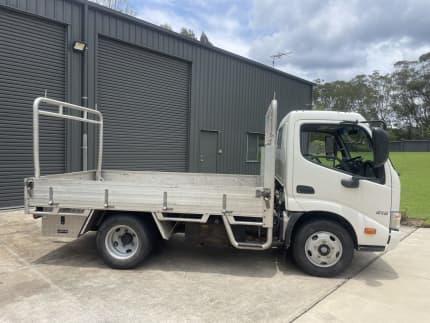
414, 171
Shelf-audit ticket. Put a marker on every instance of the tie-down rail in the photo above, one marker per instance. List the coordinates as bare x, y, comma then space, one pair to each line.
65, 114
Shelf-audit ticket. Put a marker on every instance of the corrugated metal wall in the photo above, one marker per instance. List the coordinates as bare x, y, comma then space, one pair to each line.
144, 98
69, 13
31, 60
228, 93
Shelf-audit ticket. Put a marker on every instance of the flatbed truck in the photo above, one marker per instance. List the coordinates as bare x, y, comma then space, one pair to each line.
326, 189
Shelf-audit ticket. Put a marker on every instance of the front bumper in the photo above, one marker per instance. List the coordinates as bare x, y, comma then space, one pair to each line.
394, 240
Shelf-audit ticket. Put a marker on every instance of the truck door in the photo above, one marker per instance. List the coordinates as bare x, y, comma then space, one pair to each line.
326, 156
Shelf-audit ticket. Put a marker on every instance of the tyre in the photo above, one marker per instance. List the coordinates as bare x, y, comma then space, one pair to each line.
124, 241
322, 248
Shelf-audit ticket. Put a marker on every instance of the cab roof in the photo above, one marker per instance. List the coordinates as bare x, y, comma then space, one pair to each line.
294, 116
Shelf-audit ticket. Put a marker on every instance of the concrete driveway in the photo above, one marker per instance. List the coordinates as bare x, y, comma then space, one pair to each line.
393, 288
49, 279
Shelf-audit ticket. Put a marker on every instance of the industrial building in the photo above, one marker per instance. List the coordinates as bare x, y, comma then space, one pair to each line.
170, 103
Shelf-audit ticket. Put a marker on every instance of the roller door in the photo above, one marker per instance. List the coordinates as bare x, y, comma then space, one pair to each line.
32, 60
144, 98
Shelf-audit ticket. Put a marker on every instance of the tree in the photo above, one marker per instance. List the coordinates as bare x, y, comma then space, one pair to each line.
412, 94
363, 96
400, 98
405, 105
119, 5
422, 88
188, 33
383, 89
336, 96
166, 26
204, 39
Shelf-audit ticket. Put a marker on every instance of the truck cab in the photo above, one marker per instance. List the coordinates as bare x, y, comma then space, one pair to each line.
332, 172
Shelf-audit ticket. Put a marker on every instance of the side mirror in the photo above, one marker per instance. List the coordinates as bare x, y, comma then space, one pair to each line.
329, 146
352, 182
380, 145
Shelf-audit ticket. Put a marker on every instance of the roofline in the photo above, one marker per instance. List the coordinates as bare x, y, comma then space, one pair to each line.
147, 24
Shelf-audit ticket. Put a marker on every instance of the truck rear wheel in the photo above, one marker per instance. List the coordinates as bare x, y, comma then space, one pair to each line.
124, 241
322, 248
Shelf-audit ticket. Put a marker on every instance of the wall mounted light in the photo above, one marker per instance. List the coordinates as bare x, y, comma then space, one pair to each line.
79, 46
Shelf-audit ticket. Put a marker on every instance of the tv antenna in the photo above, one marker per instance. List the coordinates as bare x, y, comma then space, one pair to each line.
279, 56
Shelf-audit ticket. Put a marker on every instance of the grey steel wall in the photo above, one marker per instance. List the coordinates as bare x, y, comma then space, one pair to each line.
69, 13
228, 93
144, 98
410, 145
31, 60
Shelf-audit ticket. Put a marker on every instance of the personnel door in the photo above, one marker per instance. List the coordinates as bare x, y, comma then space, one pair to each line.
208, 151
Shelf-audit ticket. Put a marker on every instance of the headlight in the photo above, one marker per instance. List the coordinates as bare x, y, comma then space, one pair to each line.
395, 217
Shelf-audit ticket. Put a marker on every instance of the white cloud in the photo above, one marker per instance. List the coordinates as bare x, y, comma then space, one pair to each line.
339, 39
231, 44
223, 29
330, 40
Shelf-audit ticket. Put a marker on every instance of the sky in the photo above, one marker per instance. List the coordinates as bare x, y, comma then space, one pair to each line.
327, 39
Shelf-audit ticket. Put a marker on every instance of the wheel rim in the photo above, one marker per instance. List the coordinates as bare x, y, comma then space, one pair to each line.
121, 242
323, 249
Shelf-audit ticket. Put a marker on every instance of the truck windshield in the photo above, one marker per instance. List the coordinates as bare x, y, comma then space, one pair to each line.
347, 148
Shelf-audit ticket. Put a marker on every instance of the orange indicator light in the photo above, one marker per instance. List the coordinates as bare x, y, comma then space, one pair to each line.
369, 230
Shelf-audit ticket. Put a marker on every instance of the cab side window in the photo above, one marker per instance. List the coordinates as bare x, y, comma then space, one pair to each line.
346, 148
314, 148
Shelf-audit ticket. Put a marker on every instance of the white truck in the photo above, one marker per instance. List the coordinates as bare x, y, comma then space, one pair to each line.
326, 188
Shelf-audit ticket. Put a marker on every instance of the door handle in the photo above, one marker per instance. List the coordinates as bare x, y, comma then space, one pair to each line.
304, 189
353, 182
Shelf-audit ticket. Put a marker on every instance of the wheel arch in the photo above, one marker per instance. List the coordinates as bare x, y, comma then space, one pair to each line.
299, 218
98, 216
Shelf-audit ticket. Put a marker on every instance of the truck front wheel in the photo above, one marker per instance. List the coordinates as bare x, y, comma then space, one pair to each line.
322, 248
124, 241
